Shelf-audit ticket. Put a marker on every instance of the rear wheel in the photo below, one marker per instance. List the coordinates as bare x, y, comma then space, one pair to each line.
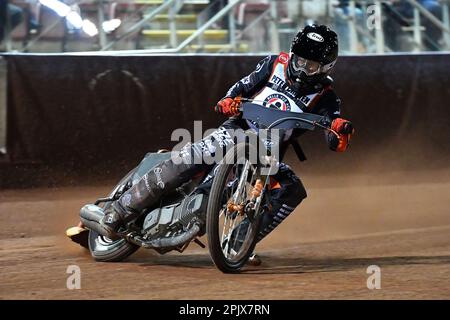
232, 234
104, 249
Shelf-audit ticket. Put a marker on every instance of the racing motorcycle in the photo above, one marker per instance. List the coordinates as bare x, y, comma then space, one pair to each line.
223, 203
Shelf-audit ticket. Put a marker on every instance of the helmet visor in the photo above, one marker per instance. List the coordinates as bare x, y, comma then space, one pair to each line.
309, 67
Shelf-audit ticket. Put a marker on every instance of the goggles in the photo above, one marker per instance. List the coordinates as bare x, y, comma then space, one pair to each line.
309, 67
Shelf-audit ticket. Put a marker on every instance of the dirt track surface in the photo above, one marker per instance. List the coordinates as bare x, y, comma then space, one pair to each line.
321, 251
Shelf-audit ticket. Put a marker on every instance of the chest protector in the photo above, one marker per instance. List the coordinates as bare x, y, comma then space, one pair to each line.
278, 94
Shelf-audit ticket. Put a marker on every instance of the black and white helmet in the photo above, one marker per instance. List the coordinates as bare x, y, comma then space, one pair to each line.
313, 54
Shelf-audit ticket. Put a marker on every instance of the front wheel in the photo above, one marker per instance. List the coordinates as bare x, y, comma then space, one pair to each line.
232, 234
104, 249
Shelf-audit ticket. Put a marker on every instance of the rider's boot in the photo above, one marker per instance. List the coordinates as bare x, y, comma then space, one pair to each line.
116, 216
79, 234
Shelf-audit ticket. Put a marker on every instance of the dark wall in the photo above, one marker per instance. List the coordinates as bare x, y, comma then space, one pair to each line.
96, 116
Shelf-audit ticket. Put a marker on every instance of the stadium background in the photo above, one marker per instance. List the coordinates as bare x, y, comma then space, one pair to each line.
76, 122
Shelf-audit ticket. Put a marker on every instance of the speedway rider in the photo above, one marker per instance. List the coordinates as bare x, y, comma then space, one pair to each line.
302, 76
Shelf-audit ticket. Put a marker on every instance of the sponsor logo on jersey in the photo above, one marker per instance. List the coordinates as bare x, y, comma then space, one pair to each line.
283, 58
277, 80
277, 101
282, 84
288, 91
305, 100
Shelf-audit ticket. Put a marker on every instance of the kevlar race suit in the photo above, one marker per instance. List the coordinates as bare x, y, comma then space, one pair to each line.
264, 85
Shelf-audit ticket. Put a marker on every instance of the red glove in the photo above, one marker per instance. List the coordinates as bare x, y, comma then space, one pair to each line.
228, 106
344, 129
342, 126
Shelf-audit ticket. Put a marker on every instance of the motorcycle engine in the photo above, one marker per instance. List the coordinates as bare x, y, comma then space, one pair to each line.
174, 218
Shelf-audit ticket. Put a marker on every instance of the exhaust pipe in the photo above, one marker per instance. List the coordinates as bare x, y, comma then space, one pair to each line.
90, 216
162, 243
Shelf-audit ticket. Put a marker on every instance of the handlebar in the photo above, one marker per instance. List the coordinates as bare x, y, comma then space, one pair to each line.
269, 118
